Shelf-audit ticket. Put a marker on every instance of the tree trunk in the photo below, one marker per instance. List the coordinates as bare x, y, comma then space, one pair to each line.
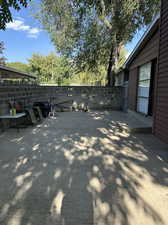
109, 71
114, 55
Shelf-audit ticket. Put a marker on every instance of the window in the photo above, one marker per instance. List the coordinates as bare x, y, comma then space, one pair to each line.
144, 88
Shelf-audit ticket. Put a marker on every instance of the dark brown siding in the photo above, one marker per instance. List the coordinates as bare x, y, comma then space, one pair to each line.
147, 54
133, 76
161, 112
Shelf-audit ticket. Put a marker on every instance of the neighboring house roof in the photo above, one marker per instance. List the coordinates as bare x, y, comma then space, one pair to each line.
8, 72
142, 42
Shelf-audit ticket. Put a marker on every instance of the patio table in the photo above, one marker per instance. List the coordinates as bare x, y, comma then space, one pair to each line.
13, 118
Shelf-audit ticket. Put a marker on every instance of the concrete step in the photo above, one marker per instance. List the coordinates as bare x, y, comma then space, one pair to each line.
138, 123
141, 130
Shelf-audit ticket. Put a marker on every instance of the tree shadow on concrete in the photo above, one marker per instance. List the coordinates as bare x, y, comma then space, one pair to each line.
77, 204
82, 172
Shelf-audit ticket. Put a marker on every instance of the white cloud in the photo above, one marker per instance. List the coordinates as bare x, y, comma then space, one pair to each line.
20, 18
19, 25
34, 31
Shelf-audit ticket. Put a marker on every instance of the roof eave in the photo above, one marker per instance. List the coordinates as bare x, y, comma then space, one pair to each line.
20, 73
139, 45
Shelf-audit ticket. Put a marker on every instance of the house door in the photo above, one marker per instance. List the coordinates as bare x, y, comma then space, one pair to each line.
143, 95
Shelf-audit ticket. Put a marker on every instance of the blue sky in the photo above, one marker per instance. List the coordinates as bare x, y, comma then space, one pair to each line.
23, 37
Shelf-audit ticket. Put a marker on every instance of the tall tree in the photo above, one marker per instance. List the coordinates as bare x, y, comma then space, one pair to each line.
98, 77
19, 66
50, 68
93, 32
5, 10
2, 58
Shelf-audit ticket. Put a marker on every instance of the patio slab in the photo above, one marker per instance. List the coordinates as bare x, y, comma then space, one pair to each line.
83, 169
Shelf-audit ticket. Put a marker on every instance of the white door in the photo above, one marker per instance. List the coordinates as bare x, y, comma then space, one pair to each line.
144, 88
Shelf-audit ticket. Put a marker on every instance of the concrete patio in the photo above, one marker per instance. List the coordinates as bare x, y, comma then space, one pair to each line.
83, 169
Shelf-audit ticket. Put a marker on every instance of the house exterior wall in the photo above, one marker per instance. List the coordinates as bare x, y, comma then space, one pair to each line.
132, 90
161, 104
147, 54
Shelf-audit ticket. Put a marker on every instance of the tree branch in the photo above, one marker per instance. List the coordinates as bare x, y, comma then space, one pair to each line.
104, 19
